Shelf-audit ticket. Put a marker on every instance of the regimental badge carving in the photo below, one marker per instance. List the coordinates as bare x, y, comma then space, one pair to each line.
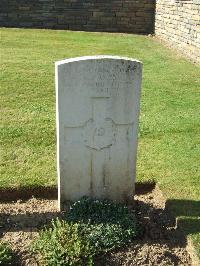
100, 136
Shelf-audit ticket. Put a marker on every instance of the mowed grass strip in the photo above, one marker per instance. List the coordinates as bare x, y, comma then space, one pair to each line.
169, 121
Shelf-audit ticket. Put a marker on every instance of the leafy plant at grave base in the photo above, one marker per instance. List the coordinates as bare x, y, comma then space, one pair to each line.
89, 228
5, 254
62, 244
108, 224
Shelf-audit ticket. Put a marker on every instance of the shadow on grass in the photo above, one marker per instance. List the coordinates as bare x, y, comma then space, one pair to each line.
158, 229
42, 192
187, 213
159, 225
25, 193
184, 207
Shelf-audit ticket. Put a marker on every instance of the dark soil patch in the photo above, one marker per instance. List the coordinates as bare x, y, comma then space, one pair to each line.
160, 244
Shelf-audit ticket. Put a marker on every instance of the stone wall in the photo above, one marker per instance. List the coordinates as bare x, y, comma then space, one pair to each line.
134, 16
178, 22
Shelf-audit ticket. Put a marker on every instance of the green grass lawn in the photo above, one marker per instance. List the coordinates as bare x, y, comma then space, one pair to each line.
169, 122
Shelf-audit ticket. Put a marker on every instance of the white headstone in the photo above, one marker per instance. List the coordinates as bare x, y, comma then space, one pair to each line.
98, 100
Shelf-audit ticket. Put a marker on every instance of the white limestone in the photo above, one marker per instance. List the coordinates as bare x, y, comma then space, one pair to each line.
97, 101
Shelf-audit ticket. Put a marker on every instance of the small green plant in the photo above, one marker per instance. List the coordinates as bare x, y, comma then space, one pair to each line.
89, 228
106, 224
5, 254
62, 244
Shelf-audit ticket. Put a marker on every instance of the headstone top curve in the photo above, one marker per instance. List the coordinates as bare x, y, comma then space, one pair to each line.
96, 57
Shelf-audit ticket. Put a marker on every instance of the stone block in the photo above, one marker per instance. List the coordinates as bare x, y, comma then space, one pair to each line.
97, 101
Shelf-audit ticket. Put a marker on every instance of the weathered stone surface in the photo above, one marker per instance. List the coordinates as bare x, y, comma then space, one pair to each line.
178, 22
97, 119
